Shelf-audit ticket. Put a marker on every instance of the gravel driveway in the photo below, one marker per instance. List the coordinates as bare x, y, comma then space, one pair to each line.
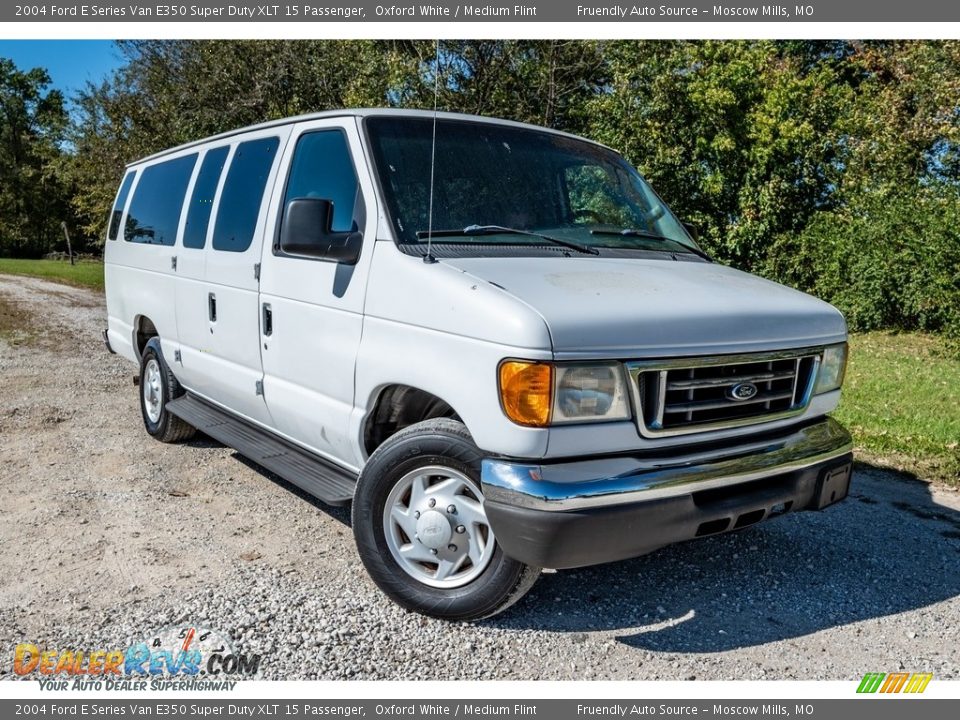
107, 535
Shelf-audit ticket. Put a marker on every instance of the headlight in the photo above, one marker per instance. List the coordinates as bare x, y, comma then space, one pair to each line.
590, 392
537, 394
832, 366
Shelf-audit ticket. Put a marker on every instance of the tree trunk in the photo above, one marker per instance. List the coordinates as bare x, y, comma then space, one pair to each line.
67, 236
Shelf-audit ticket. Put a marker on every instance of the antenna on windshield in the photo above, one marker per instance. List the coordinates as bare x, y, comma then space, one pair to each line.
429, 258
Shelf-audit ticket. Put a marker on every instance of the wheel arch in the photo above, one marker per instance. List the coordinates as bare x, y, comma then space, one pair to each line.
143, 329
396, 406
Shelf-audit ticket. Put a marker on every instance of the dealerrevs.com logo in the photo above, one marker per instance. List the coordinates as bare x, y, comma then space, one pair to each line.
177, 658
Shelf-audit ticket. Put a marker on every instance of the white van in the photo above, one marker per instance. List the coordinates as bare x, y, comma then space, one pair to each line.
494, 339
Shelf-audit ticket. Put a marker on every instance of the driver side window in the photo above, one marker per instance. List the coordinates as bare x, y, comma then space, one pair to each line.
322, 168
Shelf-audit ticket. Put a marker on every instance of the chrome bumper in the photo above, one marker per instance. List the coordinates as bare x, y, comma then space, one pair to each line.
571, 514
622, 480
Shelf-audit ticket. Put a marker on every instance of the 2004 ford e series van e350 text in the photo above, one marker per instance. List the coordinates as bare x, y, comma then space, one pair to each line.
495, 340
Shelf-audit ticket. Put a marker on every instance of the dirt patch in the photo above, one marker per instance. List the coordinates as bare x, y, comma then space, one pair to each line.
20, 326
16, 326
73, 298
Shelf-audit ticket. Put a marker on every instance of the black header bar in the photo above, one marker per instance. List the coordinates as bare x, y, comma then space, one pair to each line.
570, 11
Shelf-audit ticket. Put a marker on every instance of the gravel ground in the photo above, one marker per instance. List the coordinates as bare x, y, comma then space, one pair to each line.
108, 536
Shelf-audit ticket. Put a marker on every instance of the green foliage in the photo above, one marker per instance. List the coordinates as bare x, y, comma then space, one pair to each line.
892, 261
734, 135
32, 197
545, 82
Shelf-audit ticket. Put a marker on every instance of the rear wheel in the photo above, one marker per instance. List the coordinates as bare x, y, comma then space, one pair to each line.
421, 529
158, 386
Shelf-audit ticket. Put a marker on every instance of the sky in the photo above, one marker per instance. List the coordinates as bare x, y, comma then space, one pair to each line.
71, 63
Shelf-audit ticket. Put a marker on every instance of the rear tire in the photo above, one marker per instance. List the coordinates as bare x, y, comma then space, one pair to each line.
158, 386
421, 531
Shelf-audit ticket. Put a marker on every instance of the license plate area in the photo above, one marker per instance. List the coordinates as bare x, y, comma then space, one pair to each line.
833, 485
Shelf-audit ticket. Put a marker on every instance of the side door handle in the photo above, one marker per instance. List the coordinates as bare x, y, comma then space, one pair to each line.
267, 319
212, 307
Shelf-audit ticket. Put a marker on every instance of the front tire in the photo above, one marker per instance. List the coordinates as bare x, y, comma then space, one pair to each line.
158, 386
421, 530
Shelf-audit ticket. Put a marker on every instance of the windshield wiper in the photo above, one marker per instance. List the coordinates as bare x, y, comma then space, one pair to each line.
634, 232
470, 230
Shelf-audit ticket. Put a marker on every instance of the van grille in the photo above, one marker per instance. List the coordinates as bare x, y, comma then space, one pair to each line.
697, 394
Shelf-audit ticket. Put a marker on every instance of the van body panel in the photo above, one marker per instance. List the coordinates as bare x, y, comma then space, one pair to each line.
644, 308
316, 311
120, 331
140, 280
227, 358
432, 326
394, 353
193, 331
447, 298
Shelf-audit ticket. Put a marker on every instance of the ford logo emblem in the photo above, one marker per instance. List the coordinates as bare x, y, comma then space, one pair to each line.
743, 391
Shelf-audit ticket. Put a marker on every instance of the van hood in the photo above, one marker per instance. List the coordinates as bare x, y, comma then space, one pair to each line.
630, 308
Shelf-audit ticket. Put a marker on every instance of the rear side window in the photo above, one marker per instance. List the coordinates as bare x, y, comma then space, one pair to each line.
157, 202
118, 206
242, 194
322, 168
201, 202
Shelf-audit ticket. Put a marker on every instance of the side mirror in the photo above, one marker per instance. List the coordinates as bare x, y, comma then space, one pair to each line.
306, 231
692, 231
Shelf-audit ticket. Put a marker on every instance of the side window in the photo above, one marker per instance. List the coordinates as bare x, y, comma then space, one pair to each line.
118, 206
157, 202
242, 194
201, 202
322, 168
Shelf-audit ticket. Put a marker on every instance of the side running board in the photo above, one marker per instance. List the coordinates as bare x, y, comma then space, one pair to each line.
322, 479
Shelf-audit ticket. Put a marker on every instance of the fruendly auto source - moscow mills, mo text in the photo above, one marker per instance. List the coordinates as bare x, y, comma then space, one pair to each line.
626, 12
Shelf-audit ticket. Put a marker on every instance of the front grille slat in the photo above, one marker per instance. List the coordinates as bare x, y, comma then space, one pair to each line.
714, 382
694, 406
697, 394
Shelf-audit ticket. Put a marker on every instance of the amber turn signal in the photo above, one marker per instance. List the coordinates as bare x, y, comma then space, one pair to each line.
526, 392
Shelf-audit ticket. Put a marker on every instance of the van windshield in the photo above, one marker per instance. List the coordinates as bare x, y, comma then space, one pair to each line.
490, 176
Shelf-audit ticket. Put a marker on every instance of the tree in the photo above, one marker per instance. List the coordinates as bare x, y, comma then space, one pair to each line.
32, 126
736, 136
545, 82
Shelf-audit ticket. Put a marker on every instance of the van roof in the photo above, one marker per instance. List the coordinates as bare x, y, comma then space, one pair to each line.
360, 112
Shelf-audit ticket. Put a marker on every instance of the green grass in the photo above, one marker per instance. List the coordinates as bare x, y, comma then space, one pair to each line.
901, 401
87, 273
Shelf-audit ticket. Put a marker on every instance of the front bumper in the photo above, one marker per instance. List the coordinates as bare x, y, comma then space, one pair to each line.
571, 514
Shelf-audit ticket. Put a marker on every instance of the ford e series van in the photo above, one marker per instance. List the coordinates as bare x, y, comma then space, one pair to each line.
494, 340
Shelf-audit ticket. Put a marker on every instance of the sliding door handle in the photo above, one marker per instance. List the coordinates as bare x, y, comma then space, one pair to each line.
212, 307
267, 319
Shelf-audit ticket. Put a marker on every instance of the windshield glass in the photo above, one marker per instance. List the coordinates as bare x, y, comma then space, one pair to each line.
487, 174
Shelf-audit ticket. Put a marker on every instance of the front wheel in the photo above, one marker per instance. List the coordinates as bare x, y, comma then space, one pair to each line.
421, 529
